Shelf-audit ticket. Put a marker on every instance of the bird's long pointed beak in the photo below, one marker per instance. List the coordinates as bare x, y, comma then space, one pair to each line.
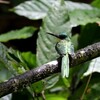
55, 35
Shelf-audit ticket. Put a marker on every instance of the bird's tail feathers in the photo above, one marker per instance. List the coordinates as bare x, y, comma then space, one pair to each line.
65, 66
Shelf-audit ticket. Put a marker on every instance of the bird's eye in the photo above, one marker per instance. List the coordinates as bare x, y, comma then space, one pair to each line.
62, 36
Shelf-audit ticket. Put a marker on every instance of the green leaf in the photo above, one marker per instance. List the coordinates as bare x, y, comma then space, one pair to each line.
55, 97
23, 33
29, 58
89, 34
82, 17
4, 72
80, 13
93, 66
57, 21
51, 81
60, 19
75, 41
4, 64
17, 62
96, 3
33, 9
75, 5
37, 87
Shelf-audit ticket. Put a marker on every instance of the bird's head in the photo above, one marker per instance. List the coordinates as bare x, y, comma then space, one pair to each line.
60, 36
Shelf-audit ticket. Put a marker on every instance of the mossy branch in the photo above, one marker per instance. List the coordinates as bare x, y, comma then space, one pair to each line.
21, 81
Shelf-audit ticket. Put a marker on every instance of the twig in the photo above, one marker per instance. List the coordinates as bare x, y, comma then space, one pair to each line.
4, 2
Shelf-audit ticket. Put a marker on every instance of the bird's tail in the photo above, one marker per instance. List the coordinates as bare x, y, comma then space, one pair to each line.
65, 66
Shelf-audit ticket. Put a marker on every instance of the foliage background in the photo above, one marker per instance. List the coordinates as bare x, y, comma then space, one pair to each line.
23, 27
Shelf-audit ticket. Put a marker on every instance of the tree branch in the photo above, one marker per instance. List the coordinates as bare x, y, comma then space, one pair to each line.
21, 81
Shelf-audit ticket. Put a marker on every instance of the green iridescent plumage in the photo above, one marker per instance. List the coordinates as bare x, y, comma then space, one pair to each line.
64, 47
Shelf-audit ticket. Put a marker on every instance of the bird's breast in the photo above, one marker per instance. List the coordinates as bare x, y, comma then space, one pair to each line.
61, 47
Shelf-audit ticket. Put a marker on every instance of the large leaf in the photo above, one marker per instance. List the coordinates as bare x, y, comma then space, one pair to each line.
33, 9
80, 13
93, 66
57, 21
82, 17
23, 33
75, 5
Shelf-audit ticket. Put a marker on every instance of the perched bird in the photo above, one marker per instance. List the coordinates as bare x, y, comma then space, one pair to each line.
64, 47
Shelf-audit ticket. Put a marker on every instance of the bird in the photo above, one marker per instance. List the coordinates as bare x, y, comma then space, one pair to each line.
64, 48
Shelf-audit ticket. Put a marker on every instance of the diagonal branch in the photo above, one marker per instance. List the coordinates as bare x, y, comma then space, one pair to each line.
21, 81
